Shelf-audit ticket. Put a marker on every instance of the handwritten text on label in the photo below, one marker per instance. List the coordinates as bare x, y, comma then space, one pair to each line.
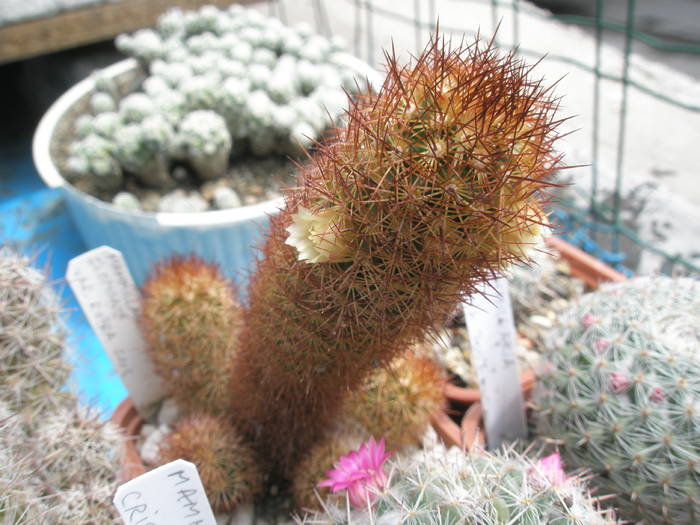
168, 495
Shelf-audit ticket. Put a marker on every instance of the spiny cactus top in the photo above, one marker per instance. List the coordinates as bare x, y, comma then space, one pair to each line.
620, 393
450, 488
433, 186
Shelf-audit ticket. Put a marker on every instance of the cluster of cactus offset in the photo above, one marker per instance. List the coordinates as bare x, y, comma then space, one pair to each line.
620, 395
444, 487
218, 81
59, 461
435, 184
227, 465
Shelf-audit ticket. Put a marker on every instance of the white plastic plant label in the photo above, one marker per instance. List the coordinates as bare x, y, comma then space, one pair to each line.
491, 330
109, 298
171, 494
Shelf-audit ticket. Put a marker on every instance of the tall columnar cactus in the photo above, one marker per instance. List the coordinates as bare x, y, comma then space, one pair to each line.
432, 187
450, 488
191, 320
620, 393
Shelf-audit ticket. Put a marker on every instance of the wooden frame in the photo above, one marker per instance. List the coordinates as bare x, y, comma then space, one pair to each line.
88, 25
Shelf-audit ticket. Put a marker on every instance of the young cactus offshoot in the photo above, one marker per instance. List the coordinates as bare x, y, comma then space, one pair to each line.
191, 320
434, 185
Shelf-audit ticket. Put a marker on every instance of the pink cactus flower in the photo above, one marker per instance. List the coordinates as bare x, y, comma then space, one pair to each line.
552, 469
361, 473
588, 320
601, 345
657, 395
619, 383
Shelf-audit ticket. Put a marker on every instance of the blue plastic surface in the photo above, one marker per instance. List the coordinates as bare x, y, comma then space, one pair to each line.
36, 222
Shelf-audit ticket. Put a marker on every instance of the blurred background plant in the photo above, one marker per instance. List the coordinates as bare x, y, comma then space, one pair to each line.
216, 89
59, 460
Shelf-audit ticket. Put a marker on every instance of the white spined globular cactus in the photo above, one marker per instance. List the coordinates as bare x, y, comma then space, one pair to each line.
441, 487
95, 156
206, 142
143, 149
620, 393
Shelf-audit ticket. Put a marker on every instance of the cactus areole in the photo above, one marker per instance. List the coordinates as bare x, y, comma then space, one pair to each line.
435, 184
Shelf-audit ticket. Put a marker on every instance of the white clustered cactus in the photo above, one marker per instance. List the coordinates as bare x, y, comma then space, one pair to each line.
276, 88
143, 148
94, 155
206, 143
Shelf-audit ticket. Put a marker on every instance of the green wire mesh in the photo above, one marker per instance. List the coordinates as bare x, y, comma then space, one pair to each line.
596, 226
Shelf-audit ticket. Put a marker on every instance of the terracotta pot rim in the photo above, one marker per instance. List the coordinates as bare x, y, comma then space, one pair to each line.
467, 396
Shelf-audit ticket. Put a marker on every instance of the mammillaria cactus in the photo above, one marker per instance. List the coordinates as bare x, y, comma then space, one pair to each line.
227, 465
620, 394
142, 148
398, 401
319, 460
432, 187
205, 143
191, 320
450, 488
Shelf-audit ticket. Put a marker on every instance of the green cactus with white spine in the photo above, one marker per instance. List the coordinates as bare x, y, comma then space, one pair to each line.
449, 488
620, 393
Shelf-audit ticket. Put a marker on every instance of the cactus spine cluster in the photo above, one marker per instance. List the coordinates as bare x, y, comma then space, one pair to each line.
32, 337
450, 488
620, 394
432, 187
191, 320
226, 464
58, 460
396, 402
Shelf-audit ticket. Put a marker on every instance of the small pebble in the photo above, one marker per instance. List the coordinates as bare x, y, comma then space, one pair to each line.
225, 198
150, 451
169, 412
243, 515
147, 429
